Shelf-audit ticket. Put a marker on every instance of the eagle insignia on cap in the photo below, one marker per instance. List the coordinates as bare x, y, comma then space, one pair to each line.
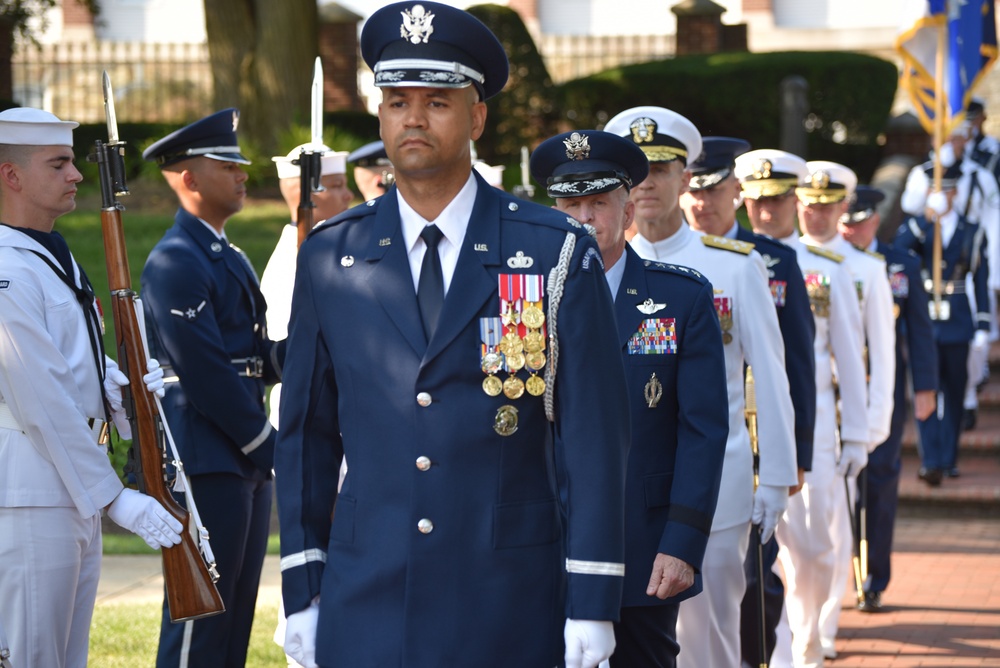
416, 25
819, 180
236, 119
762, 169
577, 146
643, 129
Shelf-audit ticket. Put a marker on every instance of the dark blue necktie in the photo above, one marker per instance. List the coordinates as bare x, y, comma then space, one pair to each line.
430, 287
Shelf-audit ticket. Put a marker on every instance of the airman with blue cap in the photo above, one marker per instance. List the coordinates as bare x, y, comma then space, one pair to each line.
513, 467
916, 358
677, 391
710, 207
206, 319
372, 169
750, 335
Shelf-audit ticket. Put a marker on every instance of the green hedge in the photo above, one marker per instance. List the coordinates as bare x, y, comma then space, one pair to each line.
738, 94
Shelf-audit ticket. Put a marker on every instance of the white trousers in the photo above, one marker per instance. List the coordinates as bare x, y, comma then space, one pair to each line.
50, 563
708, 625
843, 562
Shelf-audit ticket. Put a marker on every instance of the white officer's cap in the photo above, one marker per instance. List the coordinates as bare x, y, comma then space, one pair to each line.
827, 182
768, 172
26, 126
334, 162
663, 135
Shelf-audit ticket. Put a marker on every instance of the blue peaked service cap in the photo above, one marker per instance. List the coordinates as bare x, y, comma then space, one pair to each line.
211, 137
587, 162
431, 45
862, 205
370, 155
716, 162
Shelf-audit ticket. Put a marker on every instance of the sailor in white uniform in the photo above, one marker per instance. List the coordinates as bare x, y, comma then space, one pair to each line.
807, 550
708, 626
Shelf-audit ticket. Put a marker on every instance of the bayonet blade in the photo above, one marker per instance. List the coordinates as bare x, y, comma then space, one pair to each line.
317, 103
109, 109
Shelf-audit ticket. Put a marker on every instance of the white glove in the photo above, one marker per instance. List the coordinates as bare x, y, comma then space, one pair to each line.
154, 379
115, 380
853, 458
300, 635
588, 642
769, 503
937, 202
145, 517
980, 340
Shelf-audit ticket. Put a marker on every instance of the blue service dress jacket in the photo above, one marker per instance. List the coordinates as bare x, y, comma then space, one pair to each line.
798, 331
456, 540
964, 254
675, 368
205, 323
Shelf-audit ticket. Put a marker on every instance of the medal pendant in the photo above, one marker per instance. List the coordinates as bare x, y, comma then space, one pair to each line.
515, 361
653, 391
492, 386
534, 361
534, 342
505, 421
512, 342
535, 386
491, 362
727, 337
532, 317
511, 317
513, 387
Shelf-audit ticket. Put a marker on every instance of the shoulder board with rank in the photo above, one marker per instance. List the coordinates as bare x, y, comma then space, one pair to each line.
734, 245
828, 254
876, 255
676, 269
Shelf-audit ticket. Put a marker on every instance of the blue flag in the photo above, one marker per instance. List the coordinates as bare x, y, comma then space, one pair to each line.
971, 49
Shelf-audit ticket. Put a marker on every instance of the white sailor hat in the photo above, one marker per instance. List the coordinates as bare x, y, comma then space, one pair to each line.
334, 162
663, 135
211, 137
26, 126
827, 182
432, 45
768, 172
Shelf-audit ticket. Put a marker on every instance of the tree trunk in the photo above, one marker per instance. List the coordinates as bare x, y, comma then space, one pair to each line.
261, 53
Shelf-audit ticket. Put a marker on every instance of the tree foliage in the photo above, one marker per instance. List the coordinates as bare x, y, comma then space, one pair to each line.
19, 13
261, 53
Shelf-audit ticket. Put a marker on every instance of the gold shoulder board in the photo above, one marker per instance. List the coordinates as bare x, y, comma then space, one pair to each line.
734, 245
828, 254
877, 256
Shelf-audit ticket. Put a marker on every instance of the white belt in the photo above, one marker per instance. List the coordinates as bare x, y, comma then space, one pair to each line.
7, 421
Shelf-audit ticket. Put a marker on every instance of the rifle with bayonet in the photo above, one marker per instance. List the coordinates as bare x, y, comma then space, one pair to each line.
525, 190
188, 579
310, 160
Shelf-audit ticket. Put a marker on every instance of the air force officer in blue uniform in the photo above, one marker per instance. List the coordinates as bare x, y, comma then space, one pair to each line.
205, 315
916, 352
458, 346
671, 343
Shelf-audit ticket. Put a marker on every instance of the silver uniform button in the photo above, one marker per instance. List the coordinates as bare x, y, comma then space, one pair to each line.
512, 206
424, 463
424, 399
425, 526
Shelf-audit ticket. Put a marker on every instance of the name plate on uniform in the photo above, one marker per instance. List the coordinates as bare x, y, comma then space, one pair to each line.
939, 310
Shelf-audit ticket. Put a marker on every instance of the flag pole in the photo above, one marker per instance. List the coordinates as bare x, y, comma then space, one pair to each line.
940, 109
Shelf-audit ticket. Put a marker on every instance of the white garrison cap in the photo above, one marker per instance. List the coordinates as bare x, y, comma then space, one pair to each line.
827, 182
768, 172
26, 126
492, 173
663, 135
334, 162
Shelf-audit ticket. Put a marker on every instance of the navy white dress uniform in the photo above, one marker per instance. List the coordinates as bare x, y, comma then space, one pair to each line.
806, 546
56, 390
916, 353
830, 182
798, 330
279, 273
205, 317
708, 626
458, 493
671, 345
964, 253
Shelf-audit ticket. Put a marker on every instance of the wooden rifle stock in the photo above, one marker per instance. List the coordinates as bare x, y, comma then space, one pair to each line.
191, 591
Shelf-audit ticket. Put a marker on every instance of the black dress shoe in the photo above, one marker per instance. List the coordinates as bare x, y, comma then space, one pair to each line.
953, 472
931, 476
968, 419
872, 602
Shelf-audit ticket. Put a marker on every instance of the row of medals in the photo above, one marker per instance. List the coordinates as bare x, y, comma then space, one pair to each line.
518, 352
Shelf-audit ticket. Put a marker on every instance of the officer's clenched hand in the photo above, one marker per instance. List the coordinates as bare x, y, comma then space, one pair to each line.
300, 635
924, 403
769, 502
670, 576
145, 517
853, 458
588, 642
